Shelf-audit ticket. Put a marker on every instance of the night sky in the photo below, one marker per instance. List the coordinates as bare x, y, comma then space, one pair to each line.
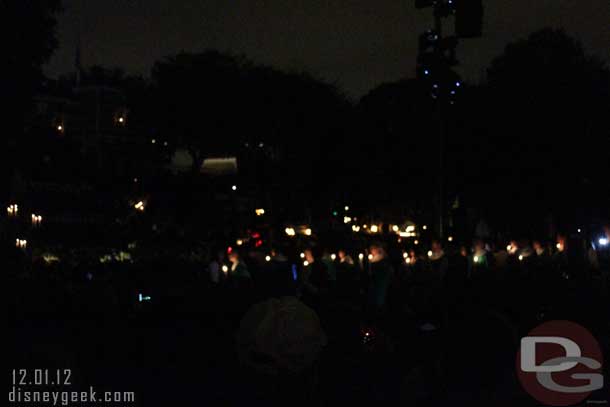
356, 44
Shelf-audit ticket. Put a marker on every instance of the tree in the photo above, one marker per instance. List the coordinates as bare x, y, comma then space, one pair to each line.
30, 42
545, 111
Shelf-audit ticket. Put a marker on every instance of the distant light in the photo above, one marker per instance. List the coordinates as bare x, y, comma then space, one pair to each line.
416, 242
405, 255
395, 228
356, 228
60, 127
520, 257
165, 143
306, 263
290, 231
225, 268
346, 208
425, 227
333, 256
410, 228
450, 239
603, 241
458, 84
476, 259
370, 257
267, 258
308, 232
430, 253
374, 228
302, 255
259, 211
234, 187
426, 72
364, 226
579, 230
261, 145
509, 248
239, 242
135, 180
121, 120
361, 256
347, 219
139, 206
153, 141
408, 260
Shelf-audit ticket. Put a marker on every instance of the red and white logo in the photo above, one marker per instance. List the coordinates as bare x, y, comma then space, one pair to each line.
559, 363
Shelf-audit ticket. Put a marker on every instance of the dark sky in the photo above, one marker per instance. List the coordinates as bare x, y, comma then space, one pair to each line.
356, 44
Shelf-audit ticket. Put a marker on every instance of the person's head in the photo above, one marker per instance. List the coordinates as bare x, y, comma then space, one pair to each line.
463, 251
478, 245
376, 250
342, 254
561, 243
512, 247
234, 257
310, 255
538, 247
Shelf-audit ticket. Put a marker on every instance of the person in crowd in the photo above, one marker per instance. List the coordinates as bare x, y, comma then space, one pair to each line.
381, 273
279, 345
315, 279
348, 277
437, 261
215, 272
281, 275
238, 272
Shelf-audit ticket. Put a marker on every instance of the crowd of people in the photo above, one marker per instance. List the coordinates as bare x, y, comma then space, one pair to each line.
319, 321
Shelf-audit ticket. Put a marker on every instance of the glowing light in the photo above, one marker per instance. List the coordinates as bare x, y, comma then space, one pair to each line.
408, 260
225, 269
450, 239
410, 229
356, 228
425, 227
308, 232
509, 248
603, 241
405, 255
21, 243
234, 187
333, 256
60, 127
430, 253
361, 256
347, 219
239, 242
290, 231
346, 208
36, 219
579, 230
139, 206
416, 242
12, 210
302, 255
395, 228
306, 263
153, 141
267, 258
374, 228
259, 211
521, 257
476, 259
364, 226
370, 257
121, 119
